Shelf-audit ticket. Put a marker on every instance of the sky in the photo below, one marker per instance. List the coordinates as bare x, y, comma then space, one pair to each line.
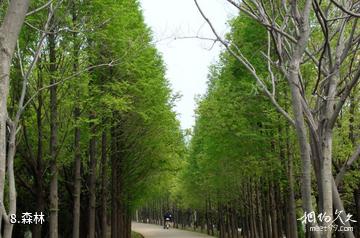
187, 60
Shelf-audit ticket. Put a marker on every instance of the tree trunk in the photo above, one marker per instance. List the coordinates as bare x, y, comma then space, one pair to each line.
301, 131
274, 217
40, 206
9, 33
259, 211
211, 218
114, 187
266, 226
207, 217
103, 185
10, 166
357, 209
291, 194
54, 206
77, 177
326, 176
279, 206
92, 174
77, 149
39, 187
302, 139
356, 192
265, 214
338, 205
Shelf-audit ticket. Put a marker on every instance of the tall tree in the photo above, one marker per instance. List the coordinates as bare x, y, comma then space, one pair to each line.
9, 31
53, 229
314, 121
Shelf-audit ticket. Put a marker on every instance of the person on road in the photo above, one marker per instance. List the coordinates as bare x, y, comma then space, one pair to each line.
168, 217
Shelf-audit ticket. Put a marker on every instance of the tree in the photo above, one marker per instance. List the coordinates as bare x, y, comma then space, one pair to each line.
290, 38
105, 67
9, 32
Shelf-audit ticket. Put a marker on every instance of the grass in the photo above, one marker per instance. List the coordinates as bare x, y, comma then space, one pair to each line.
136, 235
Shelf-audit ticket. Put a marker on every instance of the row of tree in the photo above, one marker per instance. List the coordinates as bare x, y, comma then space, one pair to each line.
276, 134
88, 111
84, 107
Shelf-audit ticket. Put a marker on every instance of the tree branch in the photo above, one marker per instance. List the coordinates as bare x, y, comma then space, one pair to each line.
39, 8
347, 165
248, 65
273, 26
111, 64
341, 7
343, 98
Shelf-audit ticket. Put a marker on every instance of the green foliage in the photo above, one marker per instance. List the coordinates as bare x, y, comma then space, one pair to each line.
136, 235
233, 137
125, 90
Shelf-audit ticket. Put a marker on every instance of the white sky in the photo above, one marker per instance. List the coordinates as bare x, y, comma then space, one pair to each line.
187, 60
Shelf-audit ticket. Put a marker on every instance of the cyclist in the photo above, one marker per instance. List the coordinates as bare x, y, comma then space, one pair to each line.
168, 217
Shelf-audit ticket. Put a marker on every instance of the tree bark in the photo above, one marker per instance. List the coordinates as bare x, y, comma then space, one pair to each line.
357, 209
9, 33
279, 206
77, 152
92, 174
77, 177
114, 187
103, 185
338, 205
326, 162
259, 211
291, 195
301, 131
54, 203
273, 214
38, 185
8, 228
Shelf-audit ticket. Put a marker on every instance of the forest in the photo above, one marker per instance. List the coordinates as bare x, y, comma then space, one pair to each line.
91, 143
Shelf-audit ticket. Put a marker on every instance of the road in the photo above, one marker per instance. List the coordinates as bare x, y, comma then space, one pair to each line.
155, 231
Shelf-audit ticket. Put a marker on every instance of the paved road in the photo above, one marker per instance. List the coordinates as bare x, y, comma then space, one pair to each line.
154, 231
